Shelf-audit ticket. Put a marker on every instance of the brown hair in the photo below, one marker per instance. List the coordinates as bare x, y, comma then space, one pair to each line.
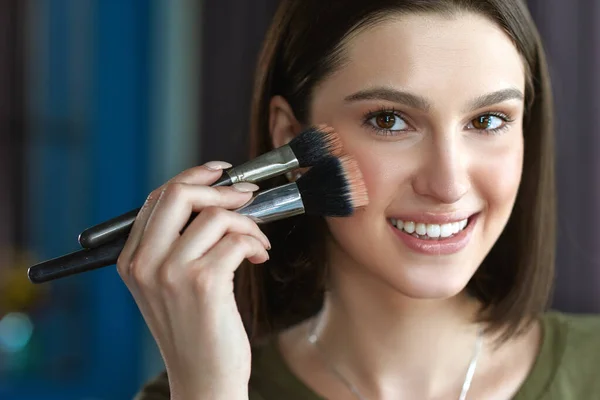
305, 44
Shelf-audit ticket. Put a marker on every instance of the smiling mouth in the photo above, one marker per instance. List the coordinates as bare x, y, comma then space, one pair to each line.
425, 231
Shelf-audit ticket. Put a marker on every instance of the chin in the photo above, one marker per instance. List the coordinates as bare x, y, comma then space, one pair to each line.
426, 282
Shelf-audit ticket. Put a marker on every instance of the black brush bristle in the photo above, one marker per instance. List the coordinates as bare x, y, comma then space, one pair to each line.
315, 144
328, 190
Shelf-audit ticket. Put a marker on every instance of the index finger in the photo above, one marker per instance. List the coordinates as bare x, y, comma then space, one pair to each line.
205, 174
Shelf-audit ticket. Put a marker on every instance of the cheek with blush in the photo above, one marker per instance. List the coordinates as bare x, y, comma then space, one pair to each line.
383, 171
497, 180
362, 236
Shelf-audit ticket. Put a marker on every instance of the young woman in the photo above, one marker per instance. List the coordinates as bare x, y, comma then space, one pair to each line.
438, 288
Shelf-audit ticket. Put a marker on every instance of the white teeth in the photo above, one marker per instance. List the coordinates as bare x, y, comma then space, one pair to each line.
429, 231
455, 227
433, 230
446, 230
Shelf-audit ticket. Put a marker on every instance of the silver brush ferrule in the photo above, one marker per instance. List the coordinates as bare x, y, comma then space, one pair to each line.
274, 204
268, 165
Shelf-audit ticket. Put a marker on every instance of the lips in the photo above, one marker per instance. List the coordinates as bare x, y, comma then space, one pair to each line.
434, 239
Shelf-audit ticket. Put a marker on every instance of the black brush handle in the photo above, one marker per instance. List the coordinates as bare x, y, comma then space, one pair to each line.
77, 262
108, 231
85, 260
119, 227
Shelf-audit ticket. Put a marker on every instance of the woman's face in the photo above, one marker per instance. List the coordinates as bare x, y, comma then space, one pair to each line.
432, 108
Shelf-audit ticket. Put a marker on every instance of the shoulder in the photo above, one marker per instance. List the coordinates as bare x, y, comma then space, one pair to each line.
572, 344
578, 333
272, 378
155, 389
266, 370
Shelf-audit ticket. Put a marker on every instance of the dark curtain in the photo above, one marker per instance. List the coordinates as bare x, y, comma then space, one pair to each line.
571, 33
232, 34
11, 122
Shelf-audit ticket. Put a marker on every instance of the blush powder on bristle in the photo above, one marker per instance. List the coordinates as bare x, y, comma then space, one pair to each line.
316, 143
358, 191
333, 188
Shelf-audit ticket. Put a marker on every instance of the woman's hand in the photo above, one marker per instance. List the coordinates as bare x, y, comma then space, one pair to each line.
183, 283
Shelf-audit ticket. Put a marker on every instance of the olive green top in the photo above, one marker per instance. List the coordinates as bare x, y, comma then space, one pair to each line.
566, 368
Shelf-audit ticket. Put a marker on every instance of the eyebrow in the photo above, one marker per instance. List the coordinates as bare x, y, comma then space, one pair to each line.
392, 95
421, 103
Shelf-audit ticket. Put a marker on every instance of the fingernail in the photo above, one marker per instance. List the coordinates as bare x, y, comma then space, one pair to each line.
245, 187
217, 165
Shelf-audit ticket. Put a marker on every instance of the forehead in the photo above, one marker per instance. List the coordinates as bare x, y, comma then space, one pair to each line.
430, 54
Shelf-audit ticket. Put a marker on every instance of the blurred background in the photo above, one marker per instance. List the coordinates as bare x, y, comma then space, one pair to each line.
103, 100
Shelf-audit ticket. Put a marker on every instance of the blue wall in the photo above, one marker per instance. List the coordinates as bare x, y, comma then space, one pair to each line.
87, 149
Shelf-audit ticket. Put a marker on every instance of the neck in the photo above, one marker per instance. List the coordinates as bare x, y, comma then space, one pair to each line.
387, 343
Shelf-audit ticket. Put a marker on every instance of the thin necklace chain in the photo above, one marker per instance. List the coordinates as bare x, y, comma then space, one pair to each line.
313, 339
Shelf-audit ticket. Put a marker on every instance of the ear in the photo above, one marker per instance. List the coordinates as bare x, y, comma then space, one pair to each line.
283, 125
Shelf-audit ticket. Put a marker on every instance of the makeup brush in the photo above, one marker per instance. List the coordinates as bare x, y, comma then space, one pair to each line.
333, 188
305, 150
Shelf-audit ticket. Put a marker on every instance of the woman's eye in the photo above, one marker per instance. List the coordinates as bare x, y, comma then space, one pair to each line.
387, 121
487, 122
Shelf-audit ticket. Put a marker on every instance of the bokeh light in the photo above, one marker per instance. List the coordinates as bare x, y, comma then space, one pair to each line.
15, 332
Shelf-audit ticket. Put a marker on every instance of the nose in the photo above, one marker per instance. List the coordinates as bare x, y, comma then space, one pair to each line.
443, 175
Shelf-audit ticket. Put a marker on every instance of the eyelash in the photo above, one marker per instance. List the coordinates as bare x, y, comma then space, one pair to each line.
507, 119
